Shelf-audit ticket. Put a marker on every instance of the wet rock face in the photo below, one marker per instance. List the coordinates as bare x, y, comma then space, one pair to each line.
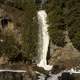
56, 69
4, 21
66, 76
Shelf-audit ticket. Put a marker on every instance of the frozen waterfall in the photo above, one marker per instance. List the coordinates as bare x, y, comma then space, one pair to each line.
43, 39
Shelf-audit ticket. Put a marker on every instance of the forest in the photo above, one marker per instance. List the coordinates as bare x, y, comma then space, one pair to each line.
11, 47
63, 15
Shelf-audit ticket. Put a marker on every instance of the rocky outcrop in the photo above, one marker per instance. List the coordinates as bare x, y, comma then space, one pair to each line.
66, 56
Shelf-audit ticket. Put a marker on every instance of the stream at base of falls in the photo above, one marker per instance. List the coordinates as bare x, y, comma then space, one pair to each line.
67, 74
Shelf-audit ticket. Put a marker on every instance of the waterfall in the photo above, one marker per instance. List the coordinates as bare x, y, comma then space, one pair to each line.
43, 39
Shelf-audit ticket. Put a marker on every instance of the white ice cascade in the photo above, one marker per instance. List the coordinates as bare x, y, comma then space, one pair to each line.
43, 39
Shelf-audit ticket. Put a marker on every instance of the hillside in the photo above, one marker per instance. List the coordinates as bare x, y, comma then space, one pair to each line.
25, 38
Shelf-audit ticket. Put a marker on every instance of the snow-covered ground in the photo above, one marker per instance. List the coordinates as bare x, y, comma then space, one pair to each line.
7, 70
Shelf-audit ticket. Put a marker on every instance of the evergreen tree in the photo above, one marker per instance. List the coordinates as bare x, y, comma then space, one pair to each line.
56, 21
65, 15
